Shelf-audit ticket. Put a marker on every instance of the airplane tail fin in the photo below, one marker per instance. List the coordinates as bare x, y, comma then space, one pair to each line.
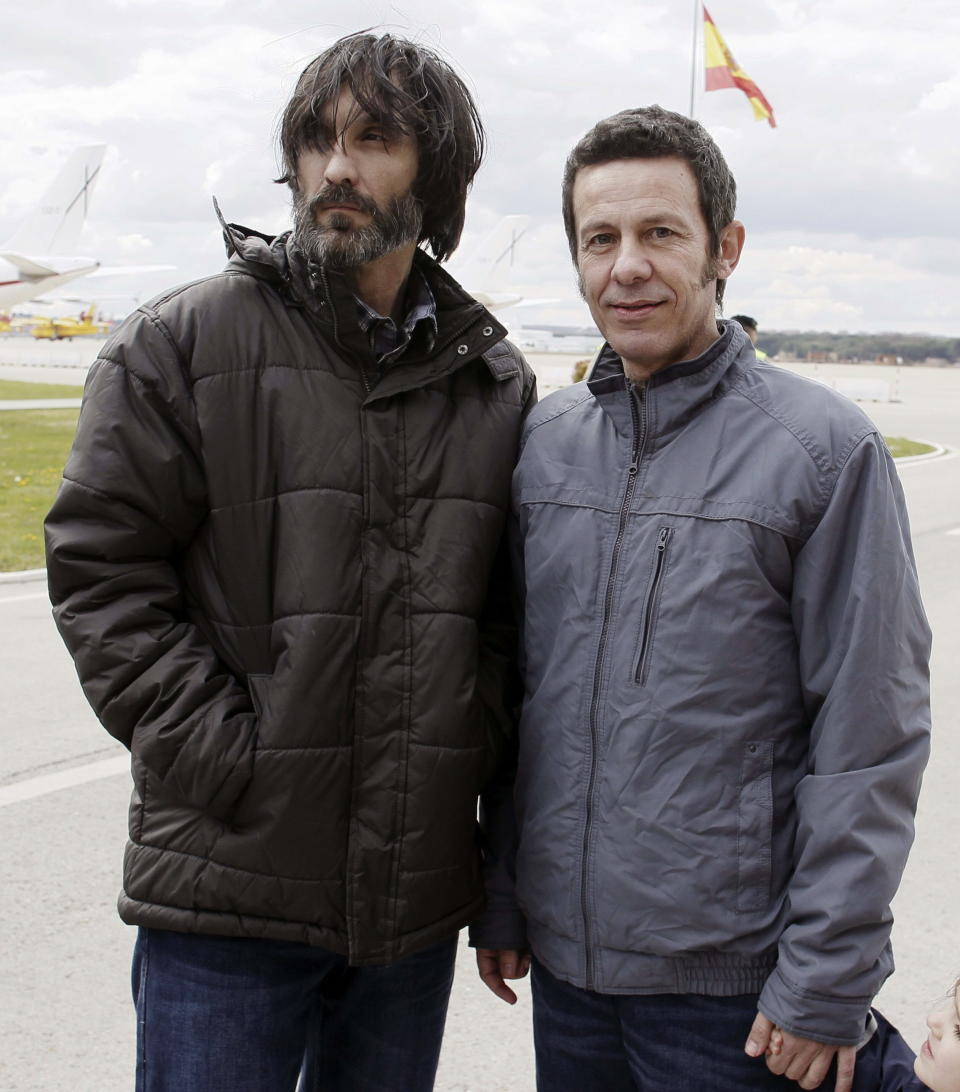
54, 225
489, 267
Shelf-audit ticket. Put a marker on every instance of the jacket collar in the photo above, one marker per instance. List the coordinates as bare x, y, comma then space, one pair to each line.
674, 394
465, 328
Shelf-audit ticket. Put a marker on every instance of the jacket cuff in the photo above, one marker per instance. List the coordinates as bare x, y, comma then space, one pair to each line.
838, 1021
499, 929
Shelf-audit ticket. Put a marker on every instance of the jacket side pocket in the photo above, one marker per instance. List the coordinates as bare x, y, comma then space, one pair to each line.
754, 822
138, 800
651, 608
256, 685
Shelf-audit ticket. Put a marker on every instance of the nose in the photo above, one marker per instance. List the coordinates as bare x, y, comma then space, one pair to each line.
632, 263
340, 167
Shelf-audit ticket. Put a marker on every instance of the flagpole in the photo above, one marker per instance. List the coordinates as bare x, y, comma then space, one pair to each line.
693, 59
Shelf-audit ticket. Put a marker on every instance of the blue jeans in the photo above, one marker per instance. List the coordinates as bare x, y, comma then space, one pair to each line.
592, 1042
226, 1014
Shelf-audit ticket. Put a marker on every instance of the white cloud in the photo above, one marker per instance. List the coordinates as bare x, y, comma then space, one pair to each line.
850, 203
856, 286
944, 95
134, 244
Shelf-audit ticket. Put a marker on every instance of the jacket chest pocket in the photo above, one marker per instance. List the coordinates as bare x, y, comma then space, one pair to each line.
651, 607
754, 826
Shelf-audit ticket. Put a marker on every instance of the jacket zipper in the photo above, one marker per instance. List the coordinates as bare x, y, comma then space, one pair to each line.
653, 596
349, 894
364, 378
368, 388
639, 438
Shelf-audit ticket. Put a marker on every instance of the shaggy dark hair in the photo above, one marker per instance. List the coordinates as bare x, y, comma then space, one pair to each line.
650, 132
402, 86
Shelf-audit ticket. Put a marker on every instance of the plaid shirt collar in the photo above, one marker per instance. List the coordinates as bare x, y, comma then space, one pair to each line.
387, 340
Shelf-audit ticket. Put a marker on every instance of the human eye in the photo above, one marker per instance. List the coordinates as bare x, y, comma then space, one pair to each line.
662, 232
599, 239
375, 134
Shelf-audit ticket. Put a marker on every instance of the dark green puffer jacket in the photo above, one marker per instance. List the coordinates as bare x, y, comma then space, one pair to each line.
279, 589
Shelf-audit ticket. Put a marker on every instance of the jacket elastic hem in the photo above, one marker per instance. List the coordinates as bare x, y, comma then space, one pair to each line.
713, 974
216, 923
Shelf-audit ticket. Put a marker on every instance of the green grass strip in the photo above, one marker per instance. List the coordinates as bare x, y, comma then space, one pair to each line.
900, 446
34, 445
13, 390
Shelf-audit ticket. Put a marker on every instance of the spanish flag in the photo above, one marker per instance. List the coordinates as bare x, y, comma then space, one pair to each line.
723, 71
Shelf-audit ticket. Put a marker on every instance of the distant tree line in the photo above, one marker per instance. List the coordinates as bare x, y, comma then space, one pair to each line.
911, 348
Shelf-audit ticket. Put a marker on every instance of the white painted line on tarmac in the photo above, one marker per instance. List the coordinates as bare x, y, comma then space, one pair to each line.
33, 787
22, 576
940, 455
39, 403
20, 598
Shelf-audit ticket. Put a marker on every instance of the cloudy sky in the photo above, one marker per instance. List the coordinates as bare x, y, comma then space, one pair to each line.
852, 204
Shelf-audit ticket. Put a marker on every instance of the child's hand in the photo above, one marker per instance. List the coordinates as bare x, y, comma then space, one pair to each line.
776, 1043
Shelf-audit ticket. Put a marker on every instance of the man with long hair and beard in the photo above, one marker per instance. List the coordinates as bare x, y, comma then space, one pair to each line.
276, 560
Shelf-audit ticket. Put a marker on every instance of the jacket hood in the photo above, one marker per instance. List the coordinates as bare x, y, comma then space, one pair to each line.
262, 256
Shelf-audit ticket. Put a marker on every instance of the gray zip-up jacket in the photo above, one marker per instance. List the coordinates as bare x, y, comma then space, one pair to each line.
726, 713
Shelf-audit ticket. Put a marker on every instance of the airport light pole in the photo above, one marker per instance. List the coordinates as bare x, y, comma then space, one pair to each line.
697, 23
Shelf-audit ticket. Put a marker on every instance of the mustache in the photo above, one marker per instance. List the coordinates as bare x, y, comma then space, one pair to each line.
341, 193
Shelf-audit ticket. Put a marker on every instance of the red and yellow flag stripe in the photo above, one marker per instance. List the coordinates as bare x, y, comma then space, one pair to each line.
723, 71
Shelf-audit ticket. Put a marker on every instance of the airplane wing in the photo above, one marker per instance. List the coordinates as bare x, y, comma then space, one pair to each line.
497, 301
124, 270
28, 267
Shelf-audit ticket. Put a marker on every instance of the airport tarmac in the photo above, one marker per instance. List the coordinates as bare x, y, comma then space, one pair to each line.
66, 1022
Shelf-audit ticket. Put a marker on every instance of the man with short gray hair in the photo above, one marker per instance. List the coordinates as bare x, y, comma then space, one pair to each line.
726, 714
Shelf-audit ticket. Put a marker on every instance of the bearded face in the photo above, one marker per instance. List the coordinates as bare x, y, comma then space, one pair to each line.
331, 237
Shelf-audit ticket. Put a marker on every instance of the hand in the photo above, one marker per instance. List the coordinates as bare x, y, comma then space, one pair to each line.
802, 1060
496, 964
775, 1046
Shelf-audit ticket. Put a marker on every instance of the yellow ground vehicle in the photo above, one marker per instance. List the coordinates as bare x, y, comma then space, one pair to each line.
57, 329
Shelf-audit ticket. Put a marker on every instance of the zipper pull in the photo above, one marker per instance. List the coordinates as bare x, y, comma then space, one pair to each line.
662, 539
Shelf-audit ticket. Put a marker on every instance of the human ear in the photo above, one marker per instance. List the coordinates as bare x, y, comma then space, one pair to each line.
730, 249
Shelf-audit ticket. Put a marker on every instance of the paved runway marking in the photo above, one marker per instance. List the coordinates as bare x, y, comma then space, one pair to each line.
39, 403
20, 598
33, 787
